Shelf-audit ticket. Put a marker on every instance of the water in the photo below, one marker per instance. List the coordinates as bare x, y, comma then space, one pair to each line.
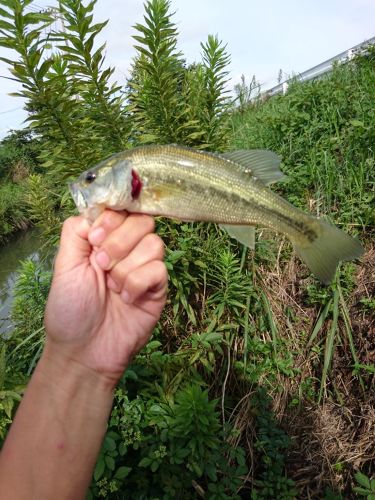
24, 246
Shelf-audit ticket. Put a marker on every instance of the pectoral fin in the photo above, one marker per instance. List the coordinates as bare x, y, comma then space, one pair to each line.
243, 234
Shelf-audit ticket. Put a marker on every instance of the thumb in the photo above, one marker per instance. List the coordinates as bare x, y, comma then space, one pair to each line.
74, 246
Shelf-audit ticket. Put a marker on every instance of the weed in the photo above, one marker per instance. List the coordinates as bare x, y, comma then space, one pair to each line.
366, 486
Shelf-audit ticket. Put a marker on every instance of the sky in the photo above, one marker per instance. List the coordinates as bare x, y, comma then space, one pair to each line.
262, 37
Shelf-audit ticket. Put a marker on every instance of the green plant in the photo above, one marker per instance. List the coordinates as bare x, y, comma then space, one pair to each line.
18, 155
31, 292
12, 386
13, 213
272, 442
154, 94
325, 139
74, 110
170, 103
245, 93
180, 438
366, 486
102, 100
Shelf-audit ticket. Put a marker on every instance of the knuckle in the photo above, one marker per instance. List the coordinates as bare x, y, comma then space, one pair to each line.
69, 225
110, 219
148, 223
69, 222
161, 270
133, 282
115, 248
155, 244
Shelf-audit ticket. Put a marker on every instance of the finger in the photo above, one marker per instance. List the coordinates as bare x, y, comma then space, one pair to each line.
149, 281
74, 245
107, 222
150, 248
120, 242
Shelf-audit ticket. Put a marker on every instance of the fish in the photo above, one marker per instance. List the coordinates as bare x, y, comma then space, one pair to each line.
230, 189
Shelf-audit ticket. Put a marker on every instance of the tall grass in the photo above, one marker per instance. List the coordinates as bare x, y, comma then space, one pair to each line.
323, 129
18, 159
13, 212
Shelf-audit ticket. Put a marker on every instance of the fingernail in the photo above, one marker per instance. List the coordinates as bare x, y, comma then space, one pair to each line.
125, 297
96, 236
103, 260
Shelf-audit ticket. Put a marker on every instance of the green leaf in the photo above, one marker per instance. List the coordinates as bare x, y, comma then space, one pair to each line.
110, 462
154, 466
130, 374
210, 470
4, 25
153, 344
7, 61
361, 491
99, 468
122, 472
122, 449
362, 479
4, 13
357, 123
145, 462
45, 66
109, 444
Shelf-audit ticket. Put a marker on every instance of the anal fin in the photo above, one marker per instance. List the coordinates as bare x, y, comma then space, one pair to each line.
243, 234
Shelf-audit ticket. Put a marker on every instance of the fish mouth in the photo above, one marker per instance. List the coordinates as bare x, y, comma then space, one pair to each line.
78, 197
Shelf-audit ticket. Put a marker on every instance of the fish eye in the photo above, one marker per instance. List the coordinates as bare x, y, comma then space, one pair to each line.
90, 177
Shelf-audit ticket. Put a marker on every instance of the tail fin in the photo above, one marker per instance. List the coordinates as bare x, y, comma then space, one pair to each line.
323, 255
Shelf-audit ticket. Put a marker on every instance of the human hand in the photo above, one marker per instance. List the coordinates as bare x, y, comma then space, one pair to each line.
108, 291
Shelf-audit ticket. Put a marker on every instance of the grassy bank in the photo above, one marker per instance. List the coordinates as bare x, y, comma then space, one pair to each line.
18, 160
13, 212
324, 132
258, 381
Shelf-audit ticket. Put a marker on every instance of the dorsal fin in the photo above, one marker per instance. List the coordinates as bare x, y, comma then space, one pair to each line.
259, 163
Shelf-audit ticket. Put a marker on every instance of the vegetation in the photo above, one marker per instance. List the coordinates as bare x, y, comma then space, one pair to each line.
249, 384
18, 160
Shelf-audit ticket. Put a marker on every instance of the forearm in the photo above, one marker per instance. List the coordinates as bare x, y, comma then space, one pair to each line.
52, 446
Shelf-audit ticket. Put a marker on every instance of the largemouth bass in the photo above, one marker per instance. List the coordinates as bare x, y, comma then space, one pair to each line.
229, 189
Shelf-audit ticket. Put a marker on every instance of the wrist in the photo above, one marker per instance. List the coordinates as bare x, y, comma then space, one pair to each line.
62, 371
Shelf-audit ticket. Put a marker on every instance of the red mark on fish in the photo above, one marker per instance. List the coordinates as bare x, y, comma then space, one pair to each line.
136, 185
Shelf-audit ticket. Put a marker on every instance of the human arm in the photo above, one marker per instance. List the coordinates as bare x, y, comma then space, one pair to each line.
99, 314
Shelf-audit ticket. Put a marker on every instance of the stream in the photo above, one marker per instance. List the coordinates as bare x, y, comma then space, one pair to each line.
23, 246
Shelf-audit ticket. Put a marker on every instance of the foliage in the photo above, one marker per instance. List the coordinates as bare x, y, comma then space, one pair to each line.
169, 102
18, 155
323, 131
11, 390
18, 159
72, 106
13, 214
245, 93
366, 486
31, 292
101, 99
154, 95
166, 443
272, 443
